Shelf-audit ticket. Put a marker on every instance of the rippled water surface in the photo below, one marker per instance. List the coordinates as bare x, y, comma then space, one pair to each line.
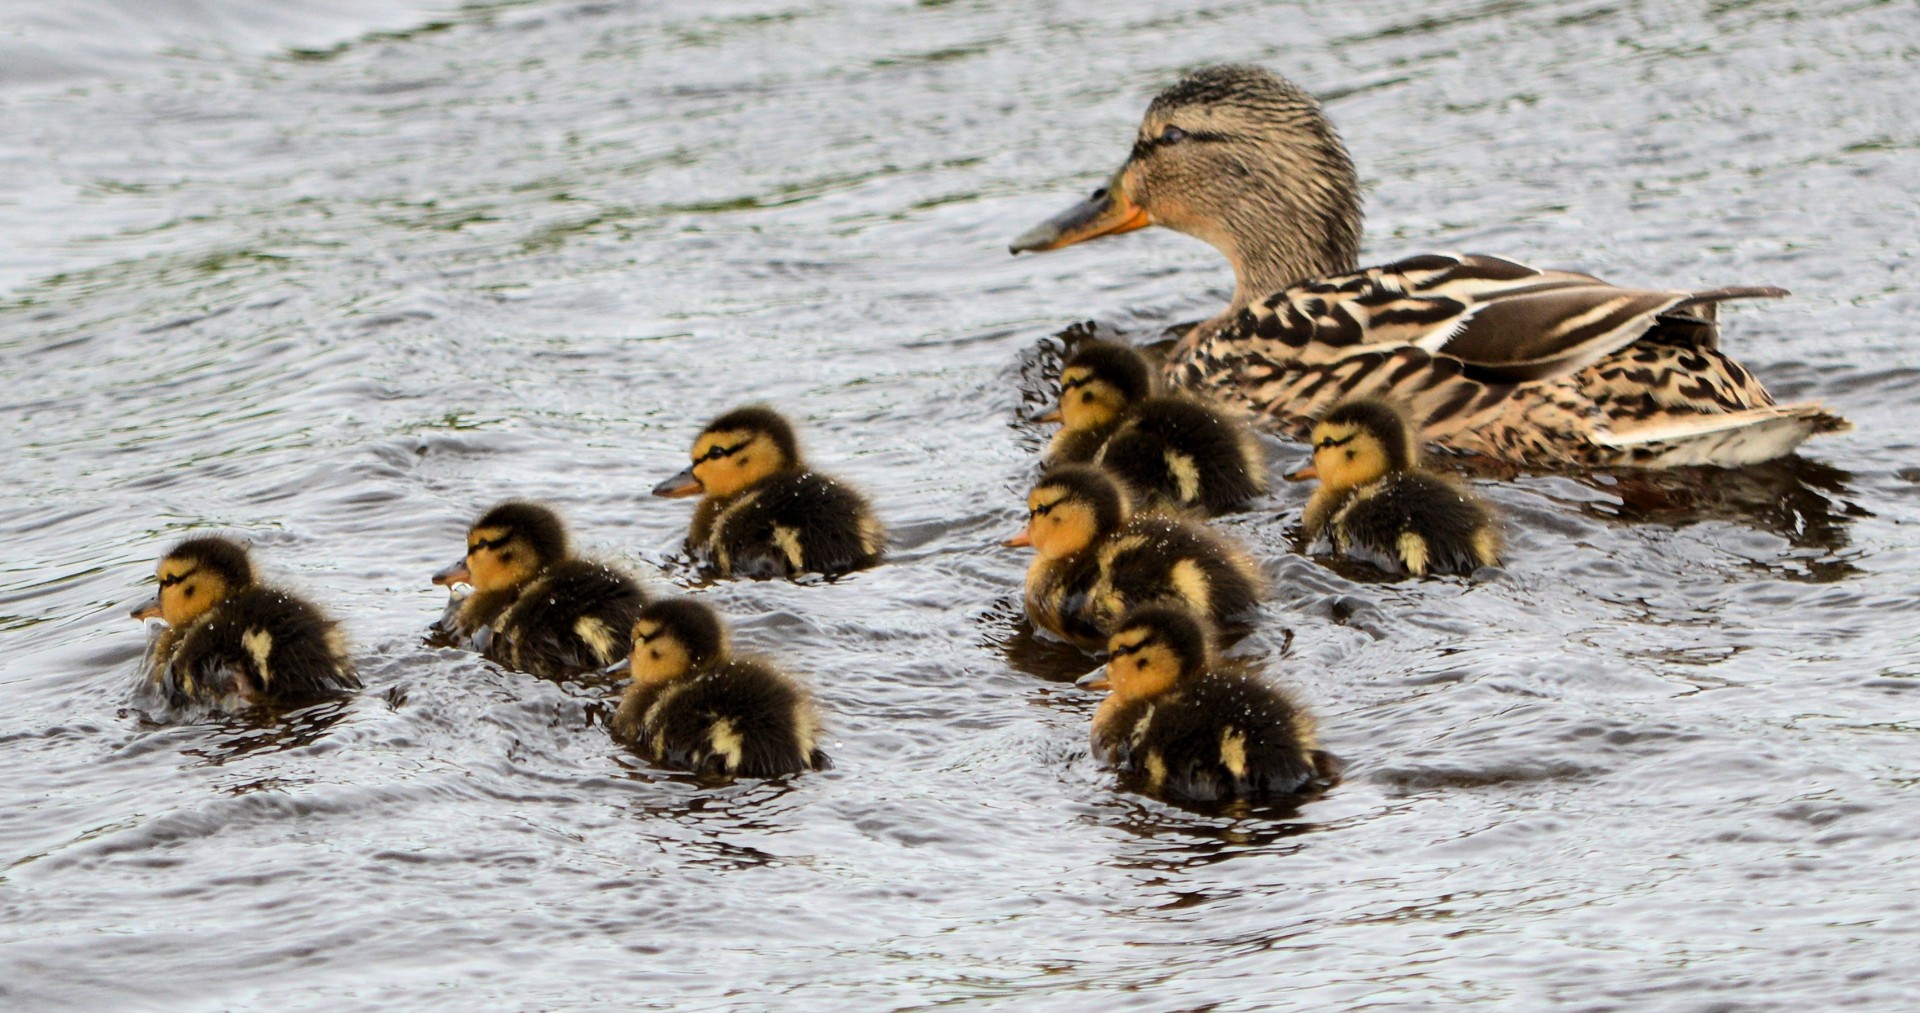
335, 283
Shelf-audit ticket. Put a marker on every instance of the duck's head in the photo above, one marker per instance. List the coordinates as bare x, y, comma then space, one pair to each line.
1151, 650
507, 546
194, 576
673, 637
734, 451
1098, 382
1358, 441
1072, 506
1242, 159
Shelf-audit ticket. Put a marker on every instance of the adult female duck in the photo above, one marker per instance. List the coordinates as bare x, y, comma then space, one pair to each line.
1546, 368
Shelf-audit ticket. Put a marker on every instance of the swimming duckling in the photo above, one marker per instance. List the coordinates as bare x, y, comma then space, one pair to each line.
534, 607
232, 642
1376, 503
696, 706
763, 513
1095, 559
1191, 726
1174, 449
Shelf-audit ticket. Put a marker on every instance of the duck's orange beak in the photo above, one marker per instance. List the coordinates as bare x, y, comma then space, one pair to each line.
1108, 212
146, 610
1021, 540
1052, 416
1303, 474
455, 574
1096, 679
682, 484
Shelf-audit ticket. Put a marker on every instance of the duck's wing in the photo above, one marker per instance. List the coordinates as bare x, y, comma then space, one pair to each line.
1507, 322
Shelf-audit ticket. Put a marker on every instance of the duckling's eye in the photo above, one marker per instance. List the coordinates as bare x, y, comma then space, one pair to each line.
1172, 135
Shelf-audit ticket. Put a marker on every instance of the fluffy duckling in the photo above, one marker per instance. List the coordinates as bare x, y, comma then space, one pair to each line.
1094, 559
232, 642
1376, 503
696, 706
534, 607
1191, 726
762, 512
1171, 449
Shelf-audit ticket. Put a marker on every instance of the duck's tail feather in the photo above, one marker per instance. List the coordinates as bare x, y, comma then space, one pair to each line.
1726, 439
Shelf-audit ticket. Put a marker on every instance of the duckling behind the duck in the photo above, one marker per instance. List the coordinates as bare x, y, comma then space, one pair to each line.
763, 513
534, 607
1376, 503
696, 706
1191, 726
1171, 449
232, 642
1094, 559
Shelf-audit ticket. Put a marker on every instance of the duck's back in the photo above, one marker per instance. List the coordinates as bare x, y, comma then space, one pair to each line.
1168, 559
794, 522
1224, 734
1182, 452
740, 719
262, 640
574, 617
1418, 522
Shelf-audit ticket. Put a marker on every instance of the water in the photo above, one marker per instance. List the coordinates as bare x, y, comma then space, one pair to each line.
337, 300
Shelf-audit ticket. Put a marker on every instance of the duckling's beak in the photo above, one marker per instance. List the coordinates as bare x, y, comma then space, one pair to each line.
1096, 679
621, 667
1024, 538
1303, 474
683, 484
1108, 212
455, 574
146, 610
1052, 416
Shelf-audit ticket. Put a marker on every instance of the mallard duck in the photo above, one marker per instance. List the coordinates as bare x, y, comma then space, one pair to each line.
234, 643
1376, 504
1168, 449
762, 512
1094, 559
694, 705
534, 607
1548, 368
1191, 726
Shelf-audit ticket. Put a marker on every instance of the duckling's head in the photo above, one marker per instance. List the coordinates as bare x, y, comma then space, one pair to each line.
676, 636
1151, 650
194, 576
1359, 441
734, 451
1242, 159
1098, 382
507, 546
1072, 506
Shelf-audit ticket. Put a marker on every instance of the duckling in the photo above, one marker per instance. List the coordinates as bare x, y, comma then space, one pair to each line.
763, 513
1537, 367
696, 706
1191, 726
1376, 503
232, 642
1173, 449
1095, 559
534, 607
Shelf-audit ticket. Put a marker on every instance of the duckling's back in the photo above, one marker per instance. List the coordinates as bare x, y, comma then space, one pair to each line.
1223, 734
1418, 522
741, 718
264, 641
1180, 451
1168, 559
791, 523
576, 616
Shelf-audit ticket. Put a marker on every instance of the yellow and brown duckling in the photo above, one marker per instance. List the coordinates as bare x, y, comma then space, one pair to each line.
696, 706
1538, 367
534, 606
1171, 449
762, 512
1190, 726
1375, 503
232, 642
1095, 559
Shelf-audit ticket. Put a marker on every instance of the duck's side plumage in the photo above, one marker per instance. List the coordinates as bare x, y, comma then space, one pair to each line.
789, 523
1151, 559
260, 645
576, 616
1176, 451
1219, 735
1416, 522
739, 718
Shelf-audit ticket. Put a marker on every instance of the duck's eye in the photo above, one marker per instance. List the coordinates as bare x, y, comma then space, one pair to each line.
1172, 135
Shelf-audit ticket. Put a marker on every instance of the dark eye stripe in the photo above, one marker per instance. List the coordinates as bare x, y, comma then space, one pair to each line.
170, 581
1331, 442
1145, 145
496, 543
717, 452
